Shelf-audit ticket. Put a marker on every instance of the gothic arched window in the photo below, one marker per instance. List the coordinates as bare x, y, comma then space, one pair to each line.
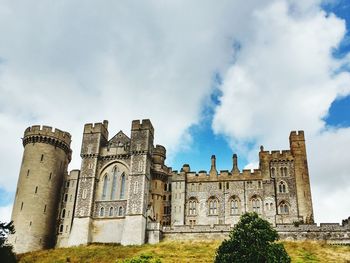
120, 211
282, 187
104, 190
213, 206
192, 207
114, 183
234, 206
102, 211
122, 187
284, 208
110, 211
256, 204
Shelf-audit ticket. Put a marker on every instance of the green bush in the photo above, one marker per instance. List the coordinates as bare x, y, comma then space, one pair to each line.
252, 240
144, 258
6, 253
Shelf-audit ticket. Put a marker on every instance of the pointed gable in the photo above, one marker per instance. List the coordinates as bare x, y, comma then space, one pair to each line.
119, 140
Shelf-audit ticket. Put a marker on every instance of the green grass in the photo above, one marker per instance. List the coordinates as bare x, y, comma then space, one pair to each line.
186, 251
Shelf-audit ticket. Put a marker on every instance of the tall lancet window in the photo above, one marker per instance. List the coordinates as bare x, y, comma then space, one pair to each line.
104, 190
122, 187
114, 183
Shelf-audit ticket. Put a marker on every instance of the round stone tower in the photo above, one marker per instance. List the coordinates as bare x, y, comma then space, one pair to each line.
45, 159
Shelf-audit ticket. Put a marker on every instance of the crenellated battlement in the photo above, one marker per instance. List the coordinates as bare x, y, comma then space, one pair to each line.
142, 125
46, 134
284, 154
297, 136
224, 175
99, 127
48, 131
159, 150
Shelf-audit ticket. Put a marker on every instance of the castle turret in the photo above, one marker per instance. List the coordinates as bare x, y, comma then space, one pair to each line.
159, 154
45, 159
94, 137
213, 171
298, 149
235, 169
139, 182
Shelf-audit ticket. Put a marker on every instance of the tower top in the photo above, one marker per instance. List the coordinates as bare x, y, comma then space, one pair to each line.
48, 131
46, 134
142, 125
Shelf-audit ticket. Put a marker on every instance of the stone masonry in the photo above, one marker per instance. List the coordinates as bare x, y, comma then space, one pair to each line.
124, 193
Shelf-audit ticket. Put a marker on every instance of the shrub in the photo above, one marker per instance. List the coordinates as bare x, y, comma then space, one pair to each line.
6, 253
252, 240
144, 258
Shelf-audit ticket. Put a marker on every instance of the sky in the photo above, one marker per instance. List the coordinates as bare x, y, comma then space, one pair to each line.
214, 78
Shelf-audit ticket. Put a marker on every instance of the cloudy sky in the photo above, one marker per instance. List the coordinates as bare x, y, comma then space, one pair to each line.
214, 77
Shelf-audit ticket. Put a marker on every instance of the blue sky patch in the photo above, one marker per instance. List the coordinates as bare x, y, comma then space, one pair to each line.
339, 113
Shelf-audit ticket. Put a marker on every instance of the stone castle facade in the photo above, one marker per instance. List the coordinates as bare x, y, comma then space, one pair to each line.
124, 193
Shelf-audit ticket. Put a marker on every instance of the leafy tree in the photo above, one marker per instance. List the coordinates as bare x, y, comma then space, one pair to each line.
252, 240
6, 253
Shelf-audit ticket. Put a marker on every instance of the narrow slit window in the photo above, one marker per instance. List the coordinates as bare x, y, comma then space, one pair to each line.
45, 209
21, 206
28, 171
36, 189
102, 211
122, 187
42, 158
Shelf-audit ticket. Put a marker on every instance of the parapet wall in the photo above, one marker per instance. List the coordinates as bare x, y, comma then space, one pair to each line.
330, 233
46, 134
48, 131
142, 125
99, 127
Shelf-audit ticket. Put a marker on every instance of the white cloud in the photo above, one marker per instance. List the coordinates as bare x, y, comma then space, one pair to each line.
71, 62
5, 213
284, 79
67, 63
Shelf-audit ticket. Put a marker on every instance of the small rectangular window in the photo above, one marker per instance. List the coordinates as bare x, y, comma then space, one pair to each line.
42, 158
30, 223
36, 189
44, 208
28, 172
50, 176
67, 184
65, 197
227, 185
21, 206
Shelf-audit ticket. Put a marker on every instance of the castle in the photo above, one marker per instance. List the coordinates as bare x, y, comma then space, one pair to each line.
124, 193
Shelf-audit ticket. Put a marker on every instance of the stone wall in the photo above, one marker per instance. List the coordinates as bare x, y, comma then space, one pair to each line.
331, 233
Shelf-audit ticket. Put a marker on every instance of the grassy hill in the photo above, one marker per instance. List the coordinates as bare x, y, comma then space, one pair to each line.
180, 252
